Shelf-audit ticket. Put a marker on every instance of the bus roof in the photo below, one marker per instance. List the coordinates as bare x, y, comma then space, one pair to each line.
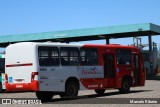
74, 44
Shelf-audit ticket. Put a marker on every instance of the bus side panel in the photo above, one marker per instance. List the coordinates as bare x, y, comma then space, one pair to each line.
54, 78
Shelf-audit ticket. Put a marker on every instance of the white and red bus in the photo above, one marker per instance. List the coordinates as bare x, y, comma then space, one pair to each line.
58, 68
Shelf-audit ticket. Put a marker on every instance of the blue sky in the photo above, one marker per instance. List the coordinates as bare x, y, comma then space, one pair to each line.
31, 16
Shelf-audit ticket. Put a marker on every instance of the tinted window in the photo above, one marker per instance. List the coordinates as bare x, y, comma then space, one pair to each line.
2, 65
123, 56
89, 56
69, 56
48, 56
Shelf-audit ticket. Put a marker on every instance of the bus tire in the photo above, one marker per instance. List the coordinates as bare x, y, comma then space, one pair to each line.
1, 90
71, 91
100, 91
125, 86
44, 96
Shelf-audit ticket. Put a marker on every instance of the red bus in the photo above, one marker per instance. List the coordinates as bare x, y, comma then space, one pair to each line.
58, 68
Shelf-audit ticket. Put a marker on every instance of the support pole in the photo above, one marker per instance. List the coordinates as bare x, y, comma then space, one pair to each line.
107, 40
150, 53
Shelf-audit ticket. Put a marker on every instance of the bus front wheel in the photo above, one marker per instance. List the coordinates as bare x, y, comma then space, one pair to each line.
125, 86
44, 96
100, 91
71, 91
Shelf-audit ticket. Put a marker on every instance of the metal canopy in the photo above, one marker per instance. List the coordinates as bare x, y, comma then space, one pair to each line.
98, 33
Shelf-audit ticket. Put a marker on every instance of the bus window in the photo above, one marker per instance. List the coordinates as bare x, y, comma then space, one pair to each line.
48, 56
123, 56
89, 56
2, 65
69, 56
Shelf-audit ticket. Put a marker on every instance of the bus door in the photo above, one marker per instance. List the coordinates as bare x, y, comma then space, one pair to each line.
109, 69
136, 69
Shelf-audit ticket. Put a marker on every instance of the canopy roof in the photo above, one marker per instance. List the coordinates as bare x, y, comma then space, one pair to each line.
121, 31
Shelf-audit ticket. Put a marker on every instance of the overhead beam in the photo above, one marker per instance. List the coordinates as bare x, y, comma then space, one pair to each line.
121, 31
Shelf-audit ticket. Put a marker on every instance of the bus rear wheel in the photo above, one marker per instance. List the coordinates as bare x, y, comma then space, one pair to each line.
100, 91
44, 96
71, 91
125, 86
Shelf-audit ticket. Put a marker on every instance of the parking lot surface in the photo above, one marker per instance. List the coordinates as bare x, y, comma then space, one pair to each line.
89, 98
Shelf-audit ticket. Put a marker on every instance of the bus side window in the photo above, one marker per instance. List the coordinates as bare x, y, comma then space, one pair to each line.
89, 56
64, 56
74, 57
69, 56
43, 57
123, 56
54, 57
48, 56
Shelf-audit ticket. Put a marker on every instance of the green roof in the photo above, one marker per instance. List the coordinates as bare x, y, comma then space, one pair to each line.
120, 31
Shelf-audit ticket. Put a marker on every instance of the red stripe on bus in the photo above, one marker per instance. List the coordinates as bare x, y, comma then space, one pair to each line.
17, 65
